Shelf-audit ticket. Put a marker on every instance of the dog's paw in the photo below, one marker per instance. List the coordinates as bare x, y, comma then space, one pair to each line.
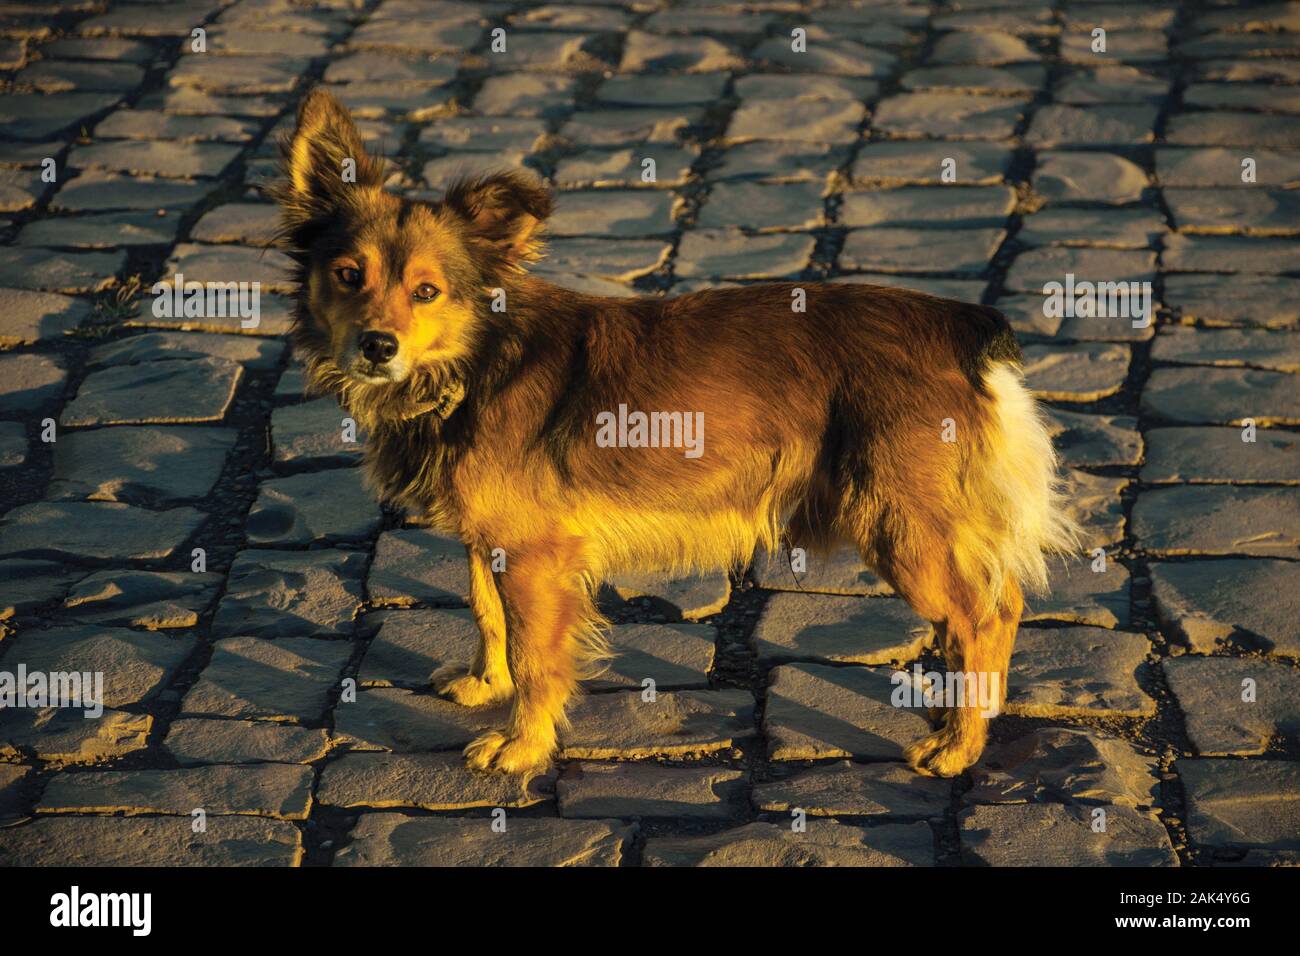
456, 683
942, 754
495, 750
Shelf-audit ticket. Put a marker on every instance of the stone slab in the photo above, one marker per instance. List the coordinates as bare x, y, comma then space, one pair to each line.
289, 679
816, 711
392, 839
823, 843
1078, 672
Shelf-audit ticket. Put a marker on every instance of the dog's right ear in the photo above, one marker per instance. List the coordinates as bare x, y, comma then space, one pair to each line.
506, 210
322, 159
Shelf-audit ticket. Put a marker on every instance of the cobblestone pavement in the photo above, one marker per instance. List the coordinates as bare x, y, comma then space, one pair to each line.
273, 683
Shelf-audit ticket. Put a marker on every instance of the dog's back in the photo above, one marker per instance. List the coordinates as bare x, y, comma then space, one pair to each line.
830, 411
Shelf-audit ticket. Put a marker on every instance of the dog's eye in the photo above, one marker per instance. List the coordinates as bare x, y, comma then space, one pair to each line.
424, 292
349, 276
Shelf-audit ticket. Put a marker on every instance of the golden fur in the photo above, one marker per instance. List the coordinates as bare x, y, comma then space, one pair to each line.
822, 427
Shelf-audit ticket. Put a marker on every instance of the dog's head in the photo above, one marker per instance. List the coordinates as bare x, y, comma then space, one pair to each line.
392, 291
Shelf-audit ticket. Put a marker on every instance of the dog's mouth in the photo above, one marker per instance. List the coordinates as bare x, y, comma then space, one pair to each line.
359, 369
371, 374
394, 389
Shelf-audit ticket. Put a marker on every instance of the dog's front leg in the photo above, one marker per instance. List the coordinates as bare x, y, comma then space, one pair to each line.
487, 680
546, 607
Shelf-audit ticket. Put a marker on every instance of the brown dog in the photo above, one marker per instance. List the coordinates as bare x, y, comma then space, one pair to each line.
569, 430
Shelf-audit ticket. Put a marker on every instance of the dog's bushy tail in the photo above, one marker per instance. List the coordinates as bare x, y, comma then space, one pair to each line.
1016, 484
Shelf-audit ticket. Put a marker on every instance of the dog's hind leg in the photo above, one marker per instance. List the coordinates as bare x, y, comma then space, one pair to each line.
975, 641
980, 652
551, 631
487, 680
962, 554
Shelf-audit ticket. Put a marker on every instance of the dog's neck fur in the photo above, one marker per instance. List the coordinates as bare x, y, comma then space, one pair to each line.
448, 400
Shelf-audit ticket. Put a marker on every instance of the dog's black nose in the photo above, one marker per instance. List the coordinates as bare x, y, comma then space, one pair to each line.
378, 347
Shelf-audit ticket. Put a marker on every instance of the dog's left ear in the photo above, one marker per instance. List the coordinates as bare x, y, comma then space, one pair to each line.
323, 159
507, 210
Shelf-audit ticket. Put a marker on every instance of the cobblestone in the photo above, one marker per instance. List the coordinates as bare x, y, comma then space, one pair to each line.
640, 790
290, 593
846, 630
151, 841
1063, 836
1234, 705
1234, 803
391, 839
1242, 602
1066, 765
438, 781
1077, 670
194, 742
886, 790
815, 711
103, 530
825, 843
154, 600
147, 463
287, 679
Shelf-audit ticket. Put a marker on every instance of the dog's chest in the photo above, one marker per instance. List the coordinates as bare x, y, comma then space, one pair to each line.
411, 468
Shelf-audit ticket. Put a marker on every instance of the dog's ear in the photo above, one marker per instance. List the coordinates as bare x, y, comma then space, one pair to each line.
507, 210
323, 158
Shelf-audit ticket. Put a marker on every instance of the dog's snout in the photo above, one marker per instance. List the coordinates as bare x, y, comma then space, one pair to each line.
378, 347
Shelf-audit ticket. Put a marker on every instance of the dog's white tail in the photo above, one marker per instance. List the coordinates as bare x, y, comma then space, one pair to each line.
1017, 482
